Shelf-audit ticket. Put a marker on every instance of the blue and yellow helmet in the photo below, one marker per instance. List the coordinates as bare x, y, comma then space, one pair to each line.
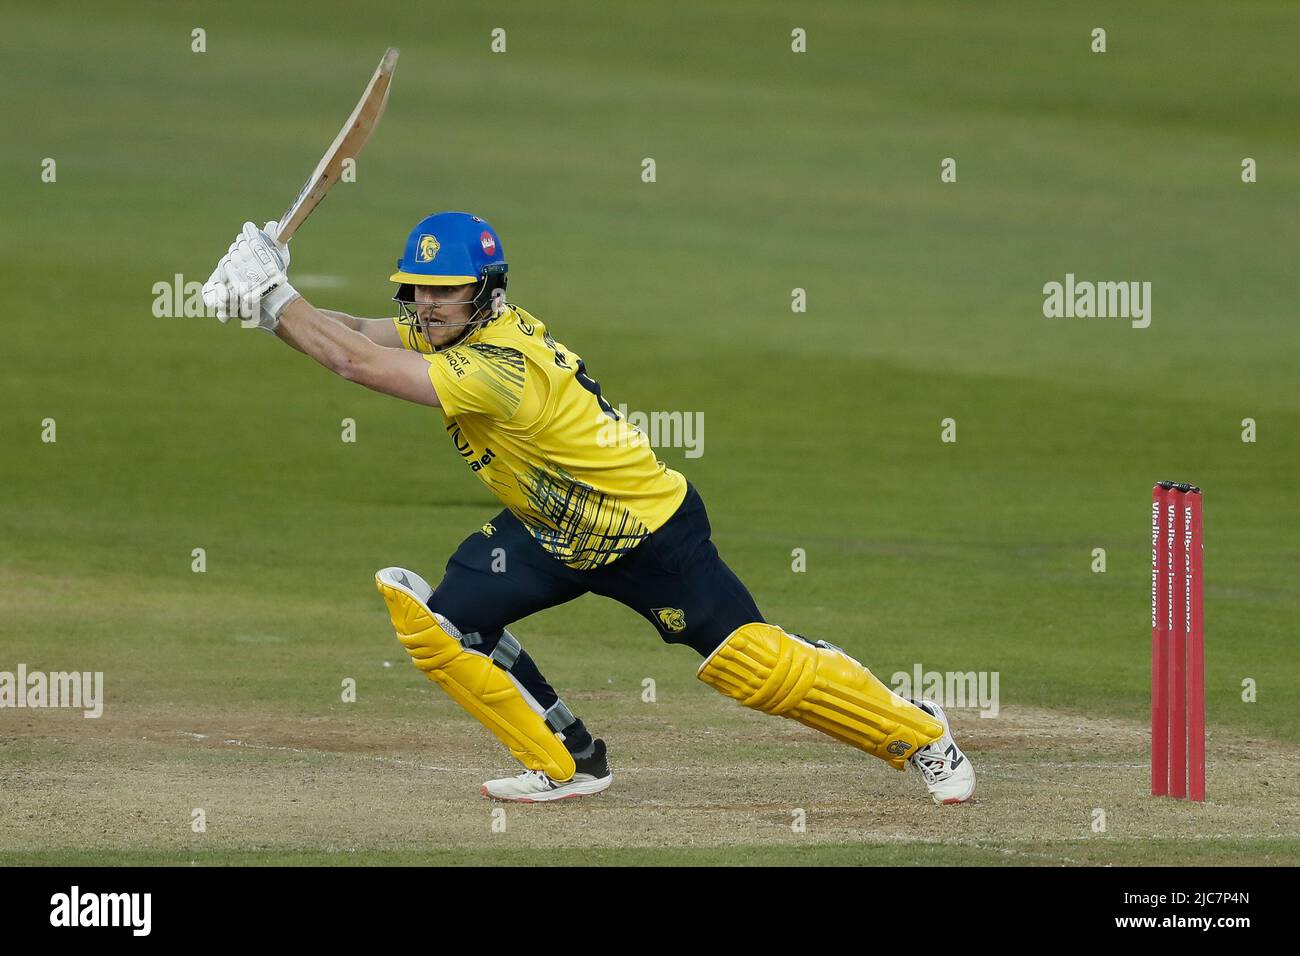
450, 248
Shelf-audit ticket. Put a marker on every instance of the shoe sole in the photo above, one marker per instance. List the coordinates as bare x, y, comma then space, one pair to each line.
951, 801
579, 790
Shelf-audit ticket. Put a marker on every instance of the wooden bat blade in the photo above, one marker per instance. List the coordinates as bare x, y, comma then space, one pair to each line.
347, 144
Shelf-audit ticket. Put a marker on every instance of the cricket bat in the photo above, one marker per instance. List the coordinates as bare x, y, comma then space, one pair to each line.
347, 144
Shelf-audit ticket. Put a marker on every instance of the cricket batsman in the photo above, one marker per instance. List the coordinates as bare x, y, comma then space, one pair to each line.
582, 514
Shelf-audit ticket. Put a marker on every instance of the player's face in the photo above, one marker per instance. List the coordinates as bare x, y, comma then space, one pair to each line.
443, 311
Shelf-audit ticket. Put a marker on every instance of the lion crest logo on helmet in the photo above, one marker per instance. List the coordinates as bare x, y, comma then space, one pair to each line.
428, 248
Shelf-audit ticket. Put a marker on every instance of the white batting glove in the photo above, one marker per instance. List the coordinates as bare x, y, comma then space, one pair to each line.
222, 291
216, 294
256, 270
271, 228
219, 297
268, 322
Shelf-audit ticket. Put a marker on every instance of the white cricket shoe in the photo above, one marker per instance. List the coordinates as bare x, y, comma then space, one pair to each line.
535, 786
948, 773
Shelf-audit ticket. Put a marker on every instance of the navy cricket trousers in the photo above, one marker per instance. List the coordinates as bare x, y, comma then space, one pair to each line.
675, 579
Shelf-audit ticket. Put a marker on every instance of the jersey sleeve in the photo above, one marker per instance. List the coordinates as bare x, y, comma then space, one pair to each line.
478, 379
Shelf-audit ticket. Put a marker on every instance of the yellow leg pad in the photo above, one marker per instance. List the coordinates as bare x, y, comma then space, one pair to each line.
765, 668
489, 693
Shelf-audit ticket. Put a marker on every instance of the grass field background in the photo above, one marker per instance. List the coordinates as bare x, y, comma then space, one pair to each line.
775, 171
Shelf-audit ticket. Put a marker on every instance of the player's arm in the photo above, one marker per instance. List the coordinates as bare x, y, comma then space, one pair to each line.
380, 331
254, 271
352, 355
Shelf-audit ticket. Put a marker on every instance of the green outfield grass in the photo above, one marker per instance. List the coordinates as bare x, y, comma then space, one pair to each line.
775, 171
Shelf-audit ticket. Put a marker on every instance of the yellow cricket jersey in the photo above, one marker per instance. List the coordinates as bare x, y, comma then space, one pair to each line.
529, 421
